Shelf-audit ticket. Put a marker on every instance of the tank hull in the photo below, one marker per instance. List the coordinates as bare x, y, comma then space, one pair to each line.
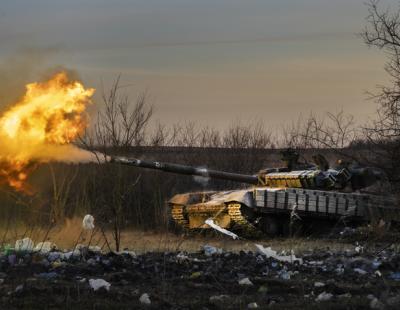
243, 209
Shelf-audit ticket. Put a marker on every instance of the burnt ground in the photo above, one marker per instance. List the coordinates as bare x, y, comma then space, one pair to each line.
354, 278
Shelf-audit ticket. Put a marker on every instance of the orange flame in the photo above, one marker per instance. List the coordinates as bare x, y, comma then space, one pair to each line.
40, 126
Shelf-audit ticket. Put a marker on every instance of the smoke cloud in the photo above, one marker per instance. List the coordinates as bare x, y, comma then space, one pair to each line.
21, 68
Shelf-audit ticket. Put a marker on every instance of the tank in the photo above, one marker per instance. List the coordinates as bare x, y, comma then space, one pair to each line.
310, 194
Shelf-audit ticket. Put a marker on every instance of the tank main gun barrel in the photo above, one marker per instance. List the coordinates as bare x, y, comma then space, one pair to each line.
188, 170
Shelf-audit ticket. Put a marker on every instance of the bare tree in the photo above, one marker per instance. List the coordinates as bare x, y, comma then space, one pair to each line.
383, 134
241, 136
120, 122
383, 31
160, 135
209, 137
333, 131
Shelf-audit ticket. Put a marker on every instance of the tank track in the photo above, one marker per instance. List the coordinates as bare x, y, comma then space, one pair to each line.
239, 221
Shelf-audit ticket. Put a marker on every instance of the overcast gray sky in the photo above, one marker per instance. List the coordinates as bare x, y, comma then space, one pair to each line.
210, 61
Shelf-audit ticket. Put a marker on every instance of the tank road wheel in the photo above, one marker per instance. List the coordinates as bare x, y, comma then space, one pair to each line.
240, 222
270, 225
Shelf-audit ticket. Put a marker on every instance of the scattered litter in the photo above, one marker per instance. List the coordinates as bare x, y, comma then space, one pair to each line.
324, 296
19, 288
360, 271
88, 222
245, 281
97, 284
284, 275
47, 275
95, 248
145, 299
395, 276
252, 305
393, 301
219, 299
80, 279
268, 252
53, 256
322, 269
25, 244
12, 259
209, 250
262, 289
68, 255
359, 249
195, 275
45, 247
339, 270
210, 222
91, 261
315, 263
181, 257
127, 252
375, 264
376, 304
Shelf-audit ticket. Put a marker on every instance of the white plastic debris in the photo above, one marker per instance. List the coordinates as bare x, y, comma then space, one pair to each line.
132, 254
25, 244
45, 247
324, 296
19, 288
145, 299
88, 222
315, 263
68, 255
268, 252
376, 263
284, 275
97, 284
252, 305
210, 222
339, 270
181, 257
360, 271
245, 281
95, 248
319, 284
359, 249
209, 250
